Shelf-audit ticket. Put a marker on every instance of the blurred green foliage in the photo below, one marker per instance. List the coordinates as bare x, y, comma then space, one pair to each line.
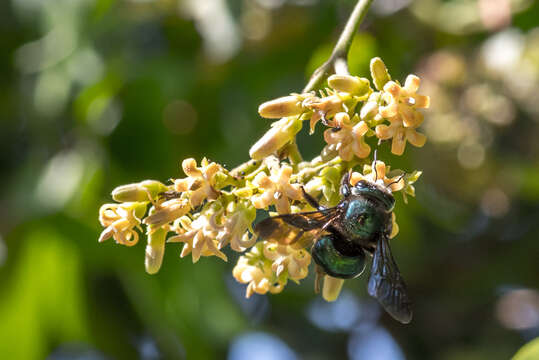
98, 93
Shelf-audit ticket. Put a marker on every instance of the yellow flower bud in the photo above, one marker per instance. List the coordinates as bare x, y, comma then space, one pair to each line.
350, 84
329, 152
155, 249
281, 132
244, 192
331, 288
143, 191
281, 107
379, 73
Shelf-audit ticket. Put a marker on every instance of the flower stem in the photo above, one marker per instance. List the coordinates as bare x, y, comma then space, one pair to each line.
292, 151
338, 62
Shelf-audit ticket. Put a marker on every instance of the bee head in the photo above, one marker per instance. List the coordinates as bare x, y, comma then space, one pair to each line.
371, 190
376, 192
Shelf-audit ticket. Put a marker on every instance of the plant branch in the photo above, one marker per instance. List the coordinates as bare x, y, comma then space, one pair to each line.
338, 62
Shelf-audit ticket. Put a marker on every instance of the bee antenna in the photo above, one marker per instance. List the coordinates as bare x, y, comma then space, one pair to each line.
396, 181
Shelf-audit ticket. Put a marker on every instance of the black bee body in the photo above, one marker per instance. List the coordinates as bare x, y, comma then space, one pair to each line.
342, 236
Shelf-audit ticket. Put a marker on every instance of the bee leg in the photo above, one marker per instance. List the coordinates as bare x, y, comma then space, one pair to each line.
345, 184
169, 195
318, 278
312, 201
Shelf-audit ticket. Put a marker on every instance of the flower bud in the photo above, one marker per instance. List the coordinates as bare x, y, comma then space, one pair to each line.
379, 73
143, 191
331, 178
244, 192
155, 251
168, 211
329, 152
350, 84
281, 132
221, 180
280, 107
331, 288
332, 175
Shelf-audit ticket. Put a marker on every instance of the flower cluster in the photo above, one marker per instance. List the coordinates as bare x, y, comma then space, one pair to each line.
120, 221
268, 266
212, 209
402, 114
275, 188
392, 112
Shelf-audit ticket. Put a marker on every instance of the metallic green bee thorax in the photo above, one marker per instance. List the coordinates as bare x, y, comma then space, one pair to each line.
334, 262
364, 219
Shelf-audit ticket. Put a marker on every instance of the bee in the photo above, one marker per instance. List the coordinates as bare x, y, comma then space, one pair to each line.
340, 238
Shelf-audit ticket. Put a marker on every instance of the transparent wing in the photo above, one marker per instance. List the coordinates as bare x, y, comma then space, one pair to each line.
386, 283
290, 228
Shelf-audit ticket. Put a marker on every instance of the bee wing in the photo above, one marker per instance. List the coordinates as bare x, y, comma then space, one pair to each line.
386, 283
290, 228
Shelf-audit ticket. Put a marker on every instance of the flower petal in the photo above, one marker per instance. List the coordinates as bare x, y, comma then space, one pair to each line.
415, 138
399, 142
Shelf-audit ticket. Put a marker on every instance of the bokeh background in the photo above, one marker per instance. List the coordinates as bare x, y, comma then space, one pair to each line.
98, 93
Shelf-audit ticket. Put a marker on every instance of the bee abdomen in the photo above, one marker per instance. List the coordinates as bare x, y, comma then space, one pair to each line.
334, 262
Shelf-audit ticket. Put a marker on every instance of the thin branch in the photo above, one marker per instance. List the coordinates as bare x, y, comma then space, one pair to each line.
338, 62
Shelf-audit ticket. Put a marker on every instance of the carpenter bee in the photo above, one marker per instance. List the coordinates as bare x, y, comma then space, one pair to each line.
341, 236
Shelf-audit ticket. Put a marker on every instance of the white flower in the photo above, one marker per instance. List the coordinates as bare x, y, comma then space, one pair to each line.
276, 188
200, 237
120, 221
200, 181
